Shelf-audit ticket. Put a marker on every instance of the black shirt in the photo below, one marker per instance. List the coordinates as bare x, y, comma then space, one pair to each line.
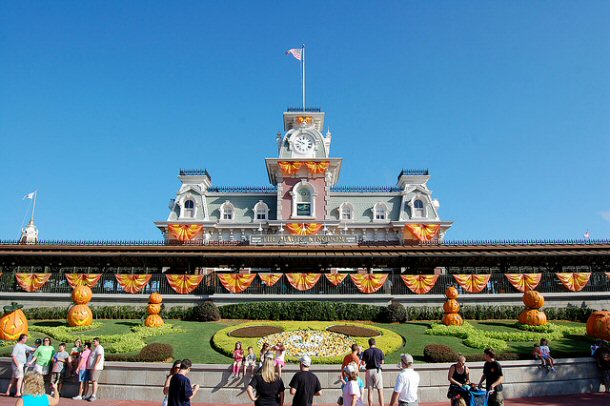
492, 371
306, 385
268, 393
180, 391
373, 358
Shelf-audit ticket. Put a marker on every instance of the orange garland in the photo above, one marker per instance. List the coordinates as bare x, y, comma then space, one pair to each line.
236, 282
317, 167
133, 283
184, 284
184, 232
31, 282
422, 232
574, 281
369, 283
303, 228
335, 278
524, 281
85, 279
303, 281
270, 279
420, 284
472, 283
289, 168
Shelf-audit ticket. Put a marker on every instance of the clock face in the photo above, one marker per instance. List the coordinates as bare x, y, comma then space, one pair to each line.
303, 143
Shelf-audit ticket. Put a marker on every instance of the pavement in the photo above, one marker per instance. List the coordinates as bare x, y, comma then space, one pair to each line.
588, 399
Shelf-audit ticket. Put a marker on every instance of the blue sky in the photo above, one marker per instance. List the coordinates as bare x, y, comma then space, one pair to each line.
506, 103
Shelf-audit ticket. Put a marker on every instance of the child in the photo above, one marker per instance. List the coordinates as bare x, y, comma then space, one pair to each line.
250, 361
60, 360
546, 353
538, 356
238, 357
280, 354
75, 356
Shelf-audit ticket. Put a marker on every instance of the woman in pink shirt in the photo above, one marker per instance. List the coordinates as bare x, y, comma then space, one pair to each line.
81, 371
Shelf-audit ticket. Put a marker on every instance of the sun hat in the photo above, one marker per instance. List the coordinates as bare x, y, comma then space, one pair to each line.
350, 369
305, 360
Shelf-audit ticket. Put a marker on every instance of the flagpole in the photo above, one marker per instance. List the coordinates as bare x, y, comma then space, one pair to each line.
303, 56
34, 206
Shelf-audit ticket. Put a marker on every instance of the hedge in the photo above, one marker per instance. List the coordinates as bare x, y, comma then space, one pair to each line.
301, 311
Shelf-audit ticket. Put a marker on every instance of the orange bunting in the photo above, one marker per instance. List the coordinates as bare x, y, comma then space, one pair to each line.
83, 279
421, 232
133, 283
575, 281
303, 228
31, 282
289, 168
270, 279
472, 283
184, 232
303, 281
236, 282
420, 284
524, 281
184, 284
369, 283
317, 167
335, 278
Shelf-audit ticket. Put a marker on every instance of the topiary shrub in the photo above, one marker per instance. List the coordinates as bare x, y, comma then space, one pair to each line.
439, 353
206, 311
394, 313
156, 352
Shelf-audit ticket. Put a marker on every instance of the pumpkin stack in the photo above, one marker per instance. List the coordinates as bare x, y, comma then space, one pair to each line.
531, 315
452, 308
154, 308
80, 314
598, 325
13, 323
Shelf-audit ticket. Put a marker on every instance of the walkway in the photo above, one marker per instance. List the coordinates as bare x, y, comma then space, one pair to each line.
588, 399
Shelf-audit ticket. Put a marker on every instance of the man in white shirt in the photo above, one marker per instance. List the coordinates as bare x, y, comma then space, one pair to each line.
405, 390
19, 359
95, 366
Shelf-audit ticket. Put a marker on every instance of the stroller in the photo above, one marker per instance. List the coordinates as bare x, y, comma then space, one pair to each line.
478, 397
467, 396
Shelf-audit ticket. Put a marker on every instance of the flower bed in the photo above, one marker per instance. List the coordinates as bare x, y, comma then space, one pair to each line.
318, 344
255, 331
354, 331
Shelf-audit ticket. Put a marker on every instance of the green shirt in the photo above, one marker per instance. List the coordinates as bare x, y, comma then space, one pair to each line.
44, 355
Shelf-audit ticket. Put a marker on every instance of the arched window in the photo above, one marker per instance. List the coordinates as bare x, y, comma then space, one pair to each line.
380, 212
303, 200
418, 208
346, 211
227, 211
189, 209
261, 211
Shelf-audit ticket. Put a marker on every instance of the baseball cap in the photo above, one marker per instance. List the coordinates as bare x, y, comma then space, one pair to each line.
350, 369
305, 360
406, 358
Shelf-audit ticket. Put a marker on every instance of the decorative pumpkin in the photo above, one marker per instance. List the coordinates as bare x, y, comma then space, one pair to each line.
80, 315
598, 325
155, 298
154, 320
532, 317
82, 294
451, 292
154, 309
451, 306
533, 299
13, 323
452, 319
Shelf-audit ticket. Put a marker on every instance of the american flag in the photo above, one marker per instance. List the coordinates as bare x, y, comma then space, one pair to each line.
296, 52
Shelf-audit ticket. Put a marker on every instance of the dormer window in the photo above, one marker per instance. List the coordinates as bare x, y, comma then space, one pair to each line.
227, 211
380, 212
346, 212
418, 208
303, 200
261, 211
189, 209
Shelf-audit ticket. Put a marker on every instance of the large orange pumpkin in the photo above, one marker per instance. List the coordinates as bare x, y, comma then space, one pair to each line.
533, 299
80, 315
155, 298
452, 319
13, 323
532, 317
451, 306
154, 309
598, 325
154, 320
451, 292
82, 294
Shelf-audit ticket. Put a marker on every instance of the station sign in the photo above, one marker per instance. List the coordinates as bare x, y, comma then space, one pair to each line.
287, 239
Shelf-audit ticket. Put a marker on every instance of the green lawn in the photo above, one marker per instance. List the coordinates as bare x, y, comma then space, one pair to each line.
195, 342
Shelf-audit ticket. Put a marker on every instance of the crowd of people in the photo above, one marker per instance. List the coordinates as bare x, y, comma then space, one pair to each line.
35, 368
